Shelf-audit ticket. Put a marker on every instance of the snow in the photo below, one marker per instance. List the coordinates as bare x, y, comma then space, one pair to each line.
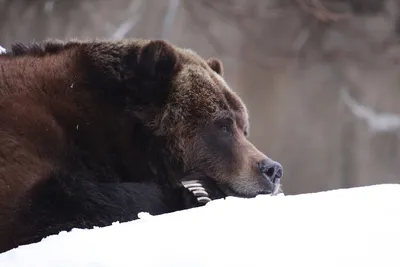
346, 227
2, 50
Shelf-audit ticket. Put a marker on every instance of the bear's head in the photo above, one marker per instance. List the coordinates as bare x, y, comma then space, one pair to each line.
185, 100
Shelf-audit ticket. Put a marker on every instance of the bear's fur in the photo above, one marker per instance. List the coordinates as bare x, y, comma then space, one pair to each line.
93, 132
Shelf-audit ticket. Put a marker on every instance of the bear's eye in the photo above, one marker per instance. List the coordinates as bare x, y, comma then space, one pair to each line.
225, 126
226, 129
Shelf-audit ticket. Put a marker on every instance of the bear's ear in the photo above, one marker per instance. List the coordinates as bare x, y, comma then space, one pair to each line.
158, 60
216, 65
156, 64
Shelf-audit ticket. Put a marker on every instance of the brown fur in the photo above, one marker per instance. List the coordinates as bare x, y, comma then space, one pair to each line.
107, 118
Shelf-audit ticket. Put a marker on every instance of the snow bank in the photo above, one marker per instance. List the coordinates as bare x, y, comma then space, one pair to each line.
2, 50
348, 227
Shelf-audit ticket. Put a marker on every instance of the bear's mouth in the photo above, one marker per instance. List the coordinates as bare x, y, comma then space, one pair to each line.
229, 191
265, 186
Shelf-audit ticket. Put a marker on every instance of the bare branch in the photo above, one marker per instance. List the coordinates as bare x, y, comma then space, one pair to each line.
123, 29
301, 39
320, 12
169, 18
203, 25
377, 122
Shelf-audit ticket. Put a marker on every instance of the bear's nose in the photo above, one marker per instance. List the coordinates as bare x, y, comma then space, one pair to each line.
271, 169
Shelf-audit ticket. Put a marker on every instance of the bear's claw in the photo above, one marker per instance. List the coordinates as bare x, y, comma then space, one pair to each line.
197, 189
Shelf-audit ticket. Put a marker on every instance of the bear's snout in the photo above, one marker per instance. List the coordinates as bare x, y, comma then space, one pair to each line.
270, 169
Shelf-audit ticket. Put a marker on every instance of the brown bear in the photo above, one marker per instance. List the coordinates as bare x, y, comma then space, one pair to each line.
93, 132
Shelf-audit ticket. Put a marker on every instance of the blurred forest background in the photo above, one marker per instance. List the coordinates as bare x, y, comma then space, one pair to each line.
321, 78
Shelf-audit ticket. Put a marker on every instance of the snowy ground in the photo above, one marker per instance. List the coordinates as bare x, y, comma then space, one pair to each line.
2, 50
348, 227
